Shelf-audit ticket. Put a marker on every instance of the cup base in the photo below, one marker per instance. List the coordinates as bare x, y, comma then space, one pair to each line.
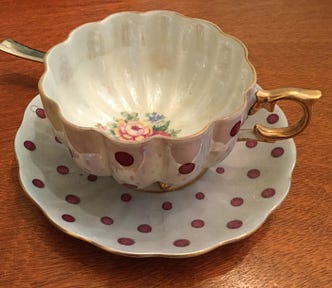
160, 187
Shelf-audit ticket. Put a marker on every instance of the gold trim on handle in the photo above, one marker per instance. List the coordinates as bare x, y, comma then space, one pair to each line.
267, 99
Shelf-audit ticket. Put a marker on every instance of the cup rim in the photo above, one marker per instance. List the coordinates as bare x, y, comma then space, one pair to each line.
154, 137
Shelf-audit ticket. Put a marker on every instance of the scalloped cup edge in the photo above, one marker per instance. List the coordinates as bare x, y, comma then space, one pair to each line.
56, 110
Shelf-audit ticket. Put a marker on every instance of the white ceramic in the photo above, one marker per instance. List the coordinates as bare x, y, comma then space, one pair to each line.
138, 76
231, 201
155, 97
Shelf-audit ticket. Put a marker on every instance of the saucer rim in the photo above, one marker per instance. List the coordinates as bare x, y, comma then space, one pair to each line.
177, 255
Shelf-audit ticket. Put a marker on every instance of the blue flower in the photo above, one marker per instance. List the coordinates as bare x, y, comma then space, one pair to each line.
154, 117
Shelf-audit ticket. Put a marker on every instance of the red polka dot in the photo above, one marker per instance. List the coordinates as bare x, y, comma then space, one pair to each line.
92, 178
124, 158
197, 223
126, 197
38, 183
72, 199
220, 170
29, 145
181, 243
272, 118
234, 224
200, 195
251, 143
186, 168
57, 140
130, 186
126, 241
237, 201
235, 129
167, 205
62, 169
268, 192
106, 220
253, 173
144, 228
68, 218
40, 113
277, 152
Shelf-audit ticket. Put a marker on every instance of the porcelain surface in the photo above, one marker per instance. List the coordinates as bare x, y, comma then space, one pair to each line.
148, 97
154, 62
231, 201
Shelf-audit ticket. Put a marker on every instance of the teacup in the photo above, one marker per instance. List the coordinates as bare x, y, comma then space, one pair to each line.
156, 97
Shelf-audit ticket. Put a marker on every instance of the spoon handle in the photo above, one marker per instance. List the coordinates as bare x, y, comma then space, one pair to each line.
12, 47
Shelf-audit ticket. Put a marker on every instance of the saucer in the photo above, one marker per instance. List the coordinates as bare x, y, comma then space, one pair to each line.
231, 200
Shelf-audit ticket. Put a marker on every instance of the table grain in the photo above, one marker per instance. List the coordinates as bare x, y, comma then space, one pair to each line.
289, 44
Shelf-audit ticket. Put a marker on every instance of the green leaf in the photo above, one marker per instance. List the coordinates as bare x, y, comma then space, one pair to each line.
161, 125
173, 132
133, 116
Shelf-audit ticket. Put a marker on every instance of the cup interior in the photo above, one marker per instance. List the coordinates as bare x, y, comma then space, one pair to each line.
159, 71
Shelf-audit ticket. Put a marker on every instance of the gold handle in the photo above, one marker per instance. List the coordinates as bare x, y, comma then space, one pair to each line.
267, 99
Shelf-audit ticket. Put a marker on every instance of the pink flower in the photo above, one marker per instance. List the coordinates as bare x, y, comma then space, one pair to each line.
133, 130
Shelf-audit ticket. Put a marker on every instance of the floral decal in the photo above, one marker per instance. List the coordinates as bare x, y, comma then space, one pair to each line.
132, 127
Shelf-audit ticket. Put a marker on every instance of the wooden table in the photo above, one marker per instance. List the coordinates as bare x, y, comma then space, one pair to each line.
290, 44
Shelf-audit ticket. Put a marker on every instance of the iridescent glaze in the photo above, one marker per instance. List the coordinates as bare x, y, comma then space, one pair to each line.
110, 80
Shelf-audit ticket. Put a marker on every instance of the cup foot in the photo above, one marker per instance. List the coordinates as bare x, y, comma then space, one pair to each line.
160, 187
